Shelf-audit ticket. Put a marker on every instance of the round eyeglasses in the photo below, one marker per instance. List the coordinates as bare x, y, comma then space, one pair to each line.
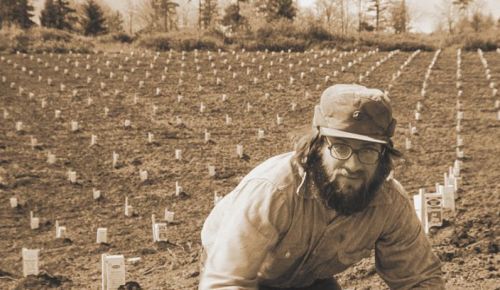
344, 151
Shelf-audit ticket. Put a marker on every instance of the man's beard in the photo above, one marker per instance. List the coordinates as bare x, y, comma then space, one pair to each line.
344, 199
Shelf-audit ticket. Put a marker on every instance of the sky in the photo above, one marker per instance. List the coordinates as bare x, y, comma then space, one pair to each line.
424, 13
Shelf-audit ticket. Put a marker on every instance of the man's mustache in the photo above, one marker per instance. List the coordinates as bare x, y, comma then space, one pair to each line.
347, 173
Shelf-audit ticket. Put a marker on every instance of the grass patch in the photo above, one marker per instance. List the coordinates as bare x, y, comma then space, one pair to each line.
38, 40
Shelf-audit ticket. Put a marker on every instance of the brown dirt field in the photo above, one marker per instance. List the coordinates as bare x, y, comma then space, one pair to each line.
467, 242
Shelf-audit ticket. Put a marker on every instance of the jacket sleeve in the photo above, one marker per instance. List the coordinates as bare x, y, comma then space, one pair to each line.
249, 229
403, 254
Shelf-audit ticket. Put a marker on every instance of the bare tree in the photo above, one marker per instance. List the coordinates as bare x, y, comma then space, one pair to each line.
207, 13
379, 8
158, 15
361, 15
463, 6
131, 11
400, 16
448, 15
344, 16
326, 11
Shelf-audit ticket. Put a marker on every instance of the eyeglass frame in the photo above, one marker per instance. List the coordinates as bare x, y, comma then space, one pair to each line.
354, 151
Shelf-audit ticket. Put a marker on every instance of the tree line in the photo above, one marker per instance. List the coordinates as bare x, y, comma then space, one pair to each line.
88, 18
93, 17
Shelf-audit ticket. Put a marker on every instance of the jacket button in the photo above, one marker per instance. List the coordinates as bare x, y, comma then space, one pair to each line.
287, 255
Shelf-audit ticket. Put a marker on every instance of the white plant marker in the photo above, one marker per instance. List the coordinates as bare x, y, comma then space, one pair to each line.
419, 203
57, 114
417, 116
89, 101
408, 144
128, 208
72, 176
178, 154
207, 136
44, 103
153, 221
229, 120
93, 140
60, 232
115, 159
456, 168
239, 150
260, 134
448, 193
460, 115
30, 262
279, 120
160, 233
96, 194
143, 174
34, 142
34, 221
169, 216
13, 202
150, 138
19, 126
113, 271
178, 188
434, 210
102, 235
127, 123
51, 158
413, 130
211, 170
106, 111
74, 126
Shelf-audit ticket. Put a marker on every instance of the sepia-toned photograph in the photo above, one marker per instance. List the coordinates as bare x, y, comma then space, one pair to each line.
250, 144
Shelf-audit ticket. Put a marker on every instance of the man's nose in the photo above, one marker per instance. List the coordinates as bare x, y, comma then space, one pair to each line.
353, 164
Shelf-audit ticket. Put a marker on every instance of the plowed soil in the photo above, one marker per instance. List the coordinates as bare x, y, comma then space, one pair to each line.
467, 242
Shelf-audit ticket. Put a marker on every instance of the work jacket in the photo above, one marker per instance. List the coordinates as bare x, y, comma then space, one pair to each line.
273, 230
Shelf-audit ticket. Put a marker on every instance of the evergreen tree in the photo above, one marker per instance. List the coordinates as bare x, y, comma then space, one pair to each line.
23, 13
93, 21
233, 17
48, 16
14, 12
58, 14
276, 9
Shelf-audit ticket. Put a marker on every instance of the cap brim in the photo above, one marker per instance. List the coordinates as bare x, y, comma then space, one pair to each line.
342, 134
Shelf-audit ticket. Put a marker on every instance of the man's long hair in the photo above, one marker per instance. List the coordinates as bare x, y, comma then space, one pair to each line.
308, 156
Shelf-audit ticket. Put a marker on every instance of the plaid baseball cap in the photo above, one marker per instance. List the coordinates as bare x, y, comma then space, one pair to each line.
355, 112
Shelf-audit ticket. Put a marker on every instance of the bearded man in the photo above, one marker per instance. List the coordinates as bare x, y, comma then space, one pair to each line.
301, 217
